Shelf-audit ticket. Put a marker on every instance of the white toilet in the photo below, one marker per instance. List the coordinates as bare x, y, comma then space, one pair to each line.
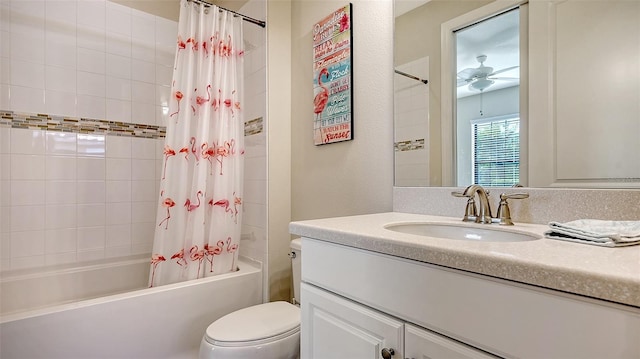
264, 331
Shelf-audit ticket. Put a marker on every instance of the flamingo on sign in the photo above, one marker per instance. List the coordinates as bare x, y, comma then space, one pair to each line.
344, 23
321, 99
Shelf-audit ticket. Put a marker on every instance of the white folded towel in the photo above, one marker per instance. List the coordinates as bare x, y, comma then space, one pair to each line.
597, 232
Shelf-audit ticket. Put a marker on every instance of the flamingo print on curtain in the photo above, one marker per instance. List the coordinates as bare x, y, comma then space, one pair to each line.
199, 209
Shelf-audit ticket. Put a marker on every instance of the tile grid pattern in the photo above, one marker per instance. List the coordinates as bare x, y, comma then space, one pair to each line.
72, 197
74, 186
253, 241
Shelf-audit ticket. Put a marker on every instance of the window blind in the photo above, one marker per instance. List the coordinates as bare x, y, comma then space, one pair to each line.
496, 151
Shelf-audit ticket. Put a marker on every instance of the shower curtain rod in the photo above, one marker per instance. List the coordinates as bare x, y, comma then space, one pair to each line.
244, 17
411, 76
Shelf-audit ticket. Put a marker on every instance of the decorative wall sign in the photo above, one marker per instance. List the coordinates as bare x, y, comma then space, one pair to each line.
333, 94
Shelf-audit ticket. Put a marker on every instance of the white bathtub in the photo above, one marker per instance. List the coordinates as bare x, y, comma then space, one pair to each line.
139, 322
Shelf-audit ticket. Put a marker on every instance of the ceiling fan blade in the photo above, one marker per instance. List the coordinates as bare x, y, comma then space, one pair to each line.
462, 82
503, 78
467, 73
503, 70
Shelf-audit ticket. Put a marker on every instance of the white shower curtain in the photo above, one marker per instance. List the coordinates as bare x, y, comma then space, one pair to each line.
199, 211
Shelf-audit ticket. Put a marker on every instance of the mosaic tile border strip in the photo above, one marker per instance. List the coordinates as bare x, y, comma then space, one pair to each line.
409, 145
254, 127
79, 125
86, 125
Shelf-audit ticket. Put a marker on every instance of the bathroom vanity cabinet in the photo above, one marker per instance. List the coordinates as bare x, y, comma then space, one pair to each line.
363, 304
342, 328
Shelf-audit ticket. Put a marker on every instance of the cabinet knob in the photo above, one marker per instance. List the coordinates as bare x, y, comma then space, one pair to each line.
387, 353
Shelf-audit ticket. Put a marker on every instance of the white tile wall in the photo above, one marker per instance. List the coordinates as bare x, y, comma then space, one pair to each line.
412, 123
254, 228
25, 193
77, 197
70, 197
5, 197
80, 58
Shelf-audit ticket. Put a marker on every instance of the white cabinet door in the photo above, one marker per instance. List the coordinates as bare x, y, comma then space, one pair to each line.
334, 327
422, 344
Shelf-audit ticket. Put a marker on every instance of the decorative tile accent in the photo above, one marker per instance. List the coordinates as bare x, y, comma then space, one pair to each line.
78, 125
87, 125
409, 145
253, 127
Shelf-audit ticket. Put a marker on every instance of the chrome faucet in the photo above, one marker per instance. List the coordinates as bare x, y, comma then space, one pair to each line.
484, 215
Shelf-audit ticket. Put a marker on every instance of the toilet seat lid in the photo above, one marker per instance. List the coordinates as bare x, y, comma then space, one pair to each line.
255, 323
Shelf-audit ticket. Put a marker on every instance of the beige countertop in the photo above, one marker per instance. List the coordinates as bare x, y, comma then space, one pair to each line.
611, 274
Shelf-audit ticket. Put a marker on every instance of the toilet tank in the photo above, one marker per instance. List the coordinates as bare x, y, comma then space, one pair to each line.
296, 266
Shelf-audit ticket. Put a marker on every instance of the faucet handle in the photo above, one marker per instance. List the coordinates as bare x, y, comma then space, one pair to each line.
504, 213
470, 210
514, 196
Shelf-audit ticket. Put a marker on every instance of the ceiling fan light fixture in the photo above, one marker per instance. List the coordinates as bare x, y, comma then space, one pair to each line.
481, 84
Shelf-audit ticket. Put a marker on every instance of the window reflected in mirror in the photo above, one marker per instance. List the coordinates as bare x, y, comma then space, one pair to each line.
487, 119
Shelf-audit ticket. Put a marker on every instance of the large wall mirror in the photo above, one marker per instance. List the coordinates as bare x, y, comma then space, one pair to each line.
503, 93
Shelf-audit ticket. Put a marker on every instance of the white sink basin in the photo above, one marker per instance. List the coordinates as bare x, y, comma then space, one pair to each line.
466, 233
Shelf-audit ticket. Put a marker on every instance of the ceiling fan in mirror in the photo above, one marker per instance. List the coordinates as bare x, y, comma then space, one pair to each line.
481, 77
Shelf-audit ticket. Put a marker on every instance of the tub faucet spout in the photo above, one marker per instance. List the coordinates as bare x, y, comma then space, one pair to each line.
484, 215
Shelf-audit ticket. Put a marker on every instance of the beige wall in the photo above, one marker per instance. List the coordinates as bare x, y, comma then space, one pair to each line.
279, 147
307, 181
353, 177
